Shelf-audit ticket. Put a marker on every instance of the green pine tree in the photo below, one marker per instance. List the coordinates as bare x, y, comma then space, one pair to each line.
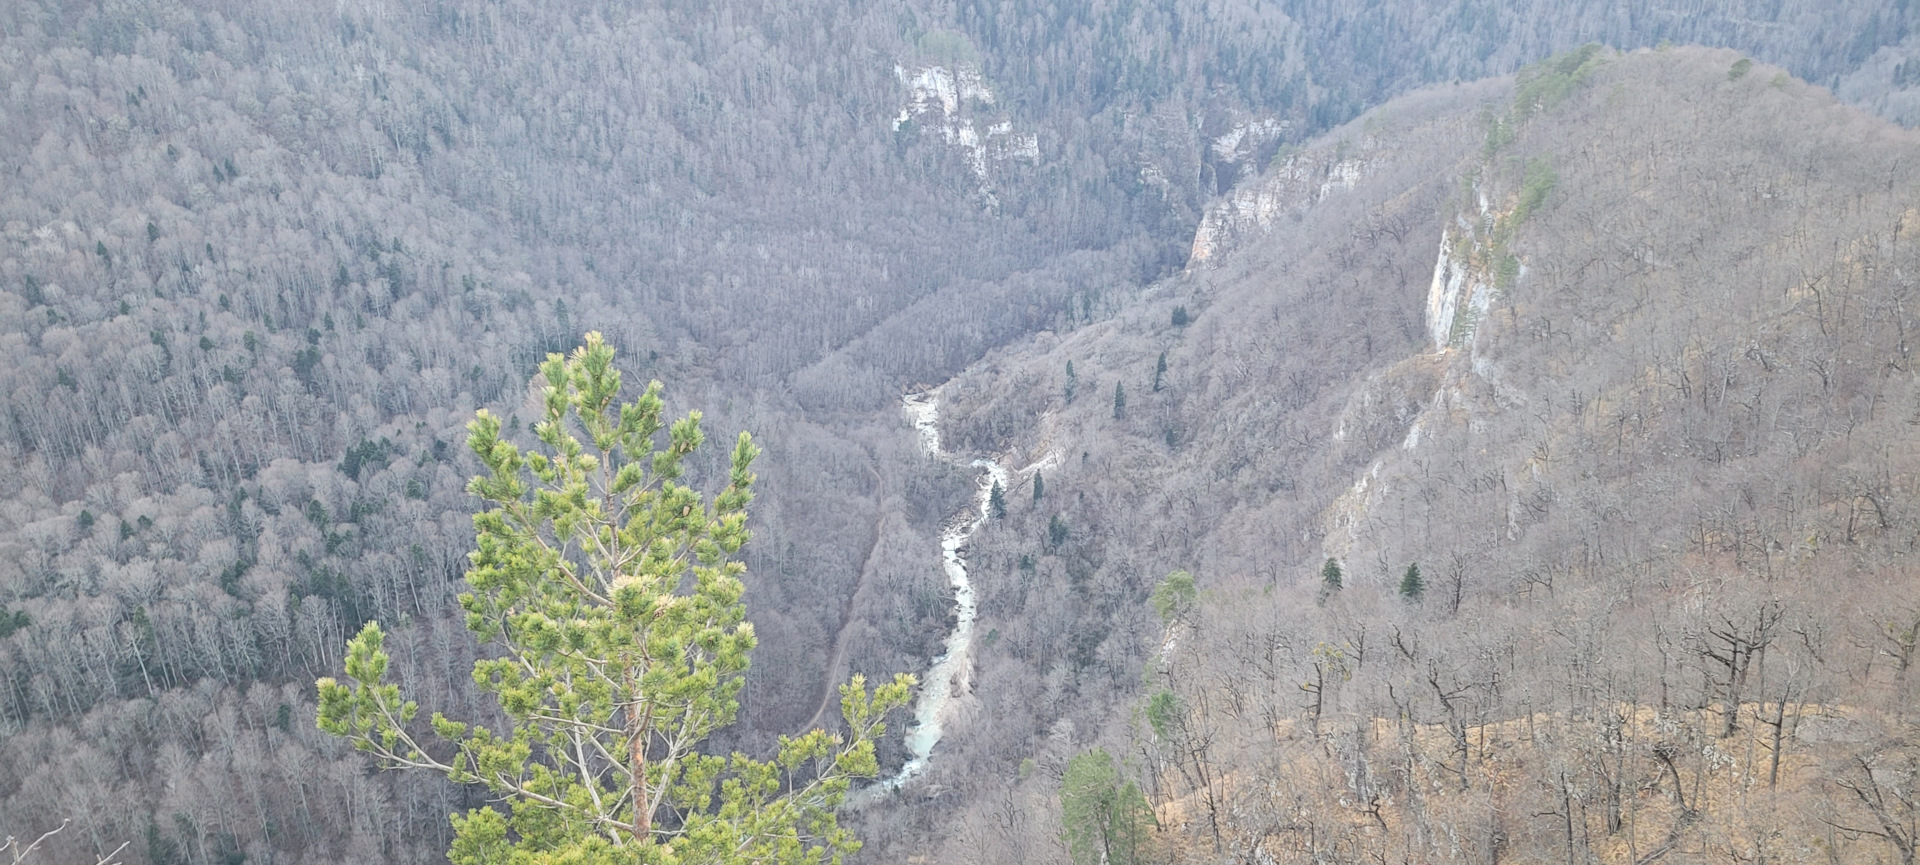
1159, 372
1165, 715
1119, 401
1330, 581
1107, 819
1174, 597
610, 674
1411, 585
1073, 382
1039, 486
1057, 531
997, 501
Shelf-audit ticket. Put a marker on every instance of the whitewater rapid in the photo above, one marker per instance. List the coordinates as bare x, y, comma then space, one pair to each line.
951, 671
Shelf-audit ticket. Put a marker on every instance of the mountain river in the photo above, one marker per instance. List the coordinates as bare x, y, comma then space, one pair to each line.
950, 671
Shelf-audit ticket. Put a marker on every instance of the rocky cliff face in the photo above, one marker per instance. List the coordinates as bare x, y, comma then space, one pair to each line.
956, 104
1285, 192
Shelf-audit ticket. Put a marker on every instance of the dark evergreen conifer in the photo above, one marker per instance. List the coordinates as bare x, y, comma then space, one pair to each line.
1411, 585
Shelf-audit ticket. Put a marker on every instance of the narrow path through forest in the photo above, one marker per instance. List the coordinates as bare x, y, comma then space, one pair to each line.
830, 689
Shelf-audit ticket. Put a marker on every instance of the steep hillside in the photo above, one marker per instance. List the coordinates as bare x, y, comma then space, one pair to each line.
259, 261
1619, 357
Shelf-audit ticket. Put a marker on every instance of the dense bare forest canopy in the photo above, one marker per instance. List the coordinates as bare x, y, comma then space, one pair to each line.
260, 263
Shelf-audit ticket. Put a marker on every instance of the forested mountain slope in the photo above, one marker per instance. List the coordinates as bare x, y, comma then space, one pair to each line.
1620, 359
259, 262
